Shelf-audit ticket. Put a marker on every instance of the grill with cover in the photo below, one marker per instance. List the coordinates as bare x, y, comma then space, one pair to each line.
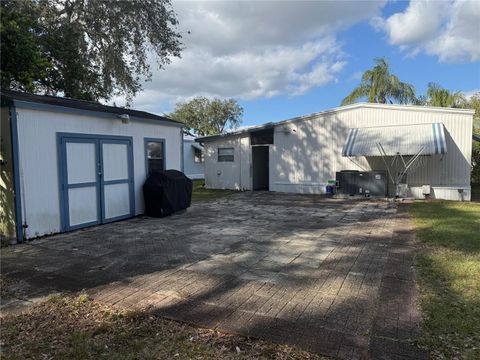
167, 192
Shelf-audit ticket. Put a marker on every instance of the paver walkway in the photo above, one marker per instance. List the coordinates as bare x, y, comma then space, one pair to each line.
333, 277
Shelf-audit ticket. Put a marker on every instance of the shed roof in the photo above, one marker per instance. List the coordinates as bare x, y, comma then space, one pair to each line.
426, 139
65, 102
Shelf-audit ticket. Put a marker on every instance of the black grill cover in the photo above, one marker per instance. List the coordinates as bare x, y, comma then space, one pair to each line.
167, 192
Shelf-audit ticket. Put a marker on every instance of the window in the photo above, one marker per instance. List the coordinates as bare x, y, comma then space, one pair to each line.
198, 155
261, 137
225, 154
155, 154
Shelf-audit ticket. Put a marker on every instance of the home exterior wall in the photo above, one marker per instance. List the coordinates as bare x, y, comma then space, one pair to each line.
306, 157
229, 175
7, 197
192, 169
307, 151
38, 164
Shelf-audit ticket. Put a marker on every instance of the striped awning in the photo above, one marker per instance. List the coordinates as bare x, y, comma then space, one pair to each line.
426, 139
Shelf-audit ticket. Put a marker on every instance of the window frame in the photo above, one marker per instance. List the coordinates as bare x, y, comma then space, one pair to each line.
202, 156
226, 148
164, 147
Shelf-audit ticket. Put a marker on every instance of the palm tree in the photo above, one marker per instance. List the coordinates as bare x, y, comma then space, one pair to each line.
380, 86
441, 97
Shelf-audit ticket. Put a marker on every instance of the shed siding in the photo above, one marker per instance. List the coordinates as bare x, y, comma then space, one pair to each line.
39, 181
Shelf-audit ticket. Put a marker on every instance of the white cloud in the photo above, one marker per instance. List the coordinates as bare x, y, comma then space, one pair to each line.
447, 29
468, 94
251, 50
420, 22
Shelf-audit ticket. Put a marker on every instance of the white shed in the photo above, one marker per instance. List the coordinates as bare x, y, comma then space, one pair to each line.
302, 154
68, 164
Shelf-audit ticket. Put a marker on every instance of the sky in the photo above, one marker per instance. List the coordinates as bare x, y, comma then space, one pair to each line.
281, 59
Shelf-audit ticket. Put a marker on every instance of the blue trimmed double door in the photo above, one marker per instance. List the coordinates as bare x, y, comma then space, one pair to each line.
96, 180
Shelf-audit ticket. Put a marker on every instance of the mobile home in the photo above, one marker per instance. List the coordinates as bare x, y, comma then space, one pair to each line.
425, 150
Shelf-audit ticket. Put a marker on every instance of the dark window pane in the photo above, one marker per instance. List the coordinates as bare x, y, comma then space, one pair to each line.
155, 165
225, 151
155, 156
225, 158
198, 156
225, 154
262, 137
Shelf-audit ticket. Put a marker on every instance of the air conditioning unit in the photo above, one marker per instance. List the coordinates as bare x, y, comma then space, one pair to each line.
366, 183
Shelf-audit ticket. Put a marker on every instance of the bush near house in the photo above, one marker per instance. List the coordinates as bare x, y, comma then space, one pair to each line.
476, 162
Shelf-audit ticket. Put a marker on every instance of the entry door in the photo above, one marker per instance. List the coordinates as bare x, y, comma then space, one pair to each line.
260, 167
116, 181
81, 183
96, 180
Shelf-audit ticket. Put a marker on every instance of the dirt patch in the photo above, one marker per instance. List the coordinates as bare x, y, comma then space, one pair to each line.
67, 327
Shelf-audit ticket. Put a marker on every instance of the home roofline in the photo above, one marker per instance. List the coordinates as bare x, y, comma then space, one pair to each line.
266, 126
69, 105
335, 110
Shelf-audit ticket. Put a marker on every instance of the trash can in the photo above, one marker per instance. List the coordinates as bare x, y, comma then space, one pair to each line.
331, 187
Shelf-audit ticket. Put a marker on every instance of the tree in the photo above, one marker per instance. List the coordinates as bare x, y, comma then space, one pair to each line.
441, 97
88, 49
474, 103
208, 117
475, 163
378, 85
22, 63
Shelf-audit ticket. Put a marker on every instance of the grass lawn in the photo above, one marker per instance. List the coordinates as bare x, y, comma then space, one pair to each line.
66, 327
449, 277
201, 194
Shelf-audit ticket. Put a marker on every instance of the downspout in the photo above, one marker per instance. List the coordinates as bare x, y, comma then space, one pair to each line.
20, 226
182, 161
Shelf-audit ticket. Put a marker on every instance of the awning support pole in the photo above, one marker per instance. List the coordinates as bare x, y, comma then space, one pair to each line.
383, 155
406, 165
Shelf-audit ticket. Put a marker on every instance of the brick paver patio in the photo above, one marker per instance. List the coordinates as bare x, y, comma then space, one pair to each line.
330, 276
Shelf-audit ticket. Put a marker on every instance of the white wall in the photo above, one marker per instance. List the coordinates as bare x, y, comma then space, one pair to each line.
39, 181
310, 154
192, 169
228, 175
306, 156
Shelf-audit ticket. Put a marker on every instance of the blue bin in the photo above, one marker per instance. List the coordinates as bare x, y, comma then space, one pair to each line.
330, 189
